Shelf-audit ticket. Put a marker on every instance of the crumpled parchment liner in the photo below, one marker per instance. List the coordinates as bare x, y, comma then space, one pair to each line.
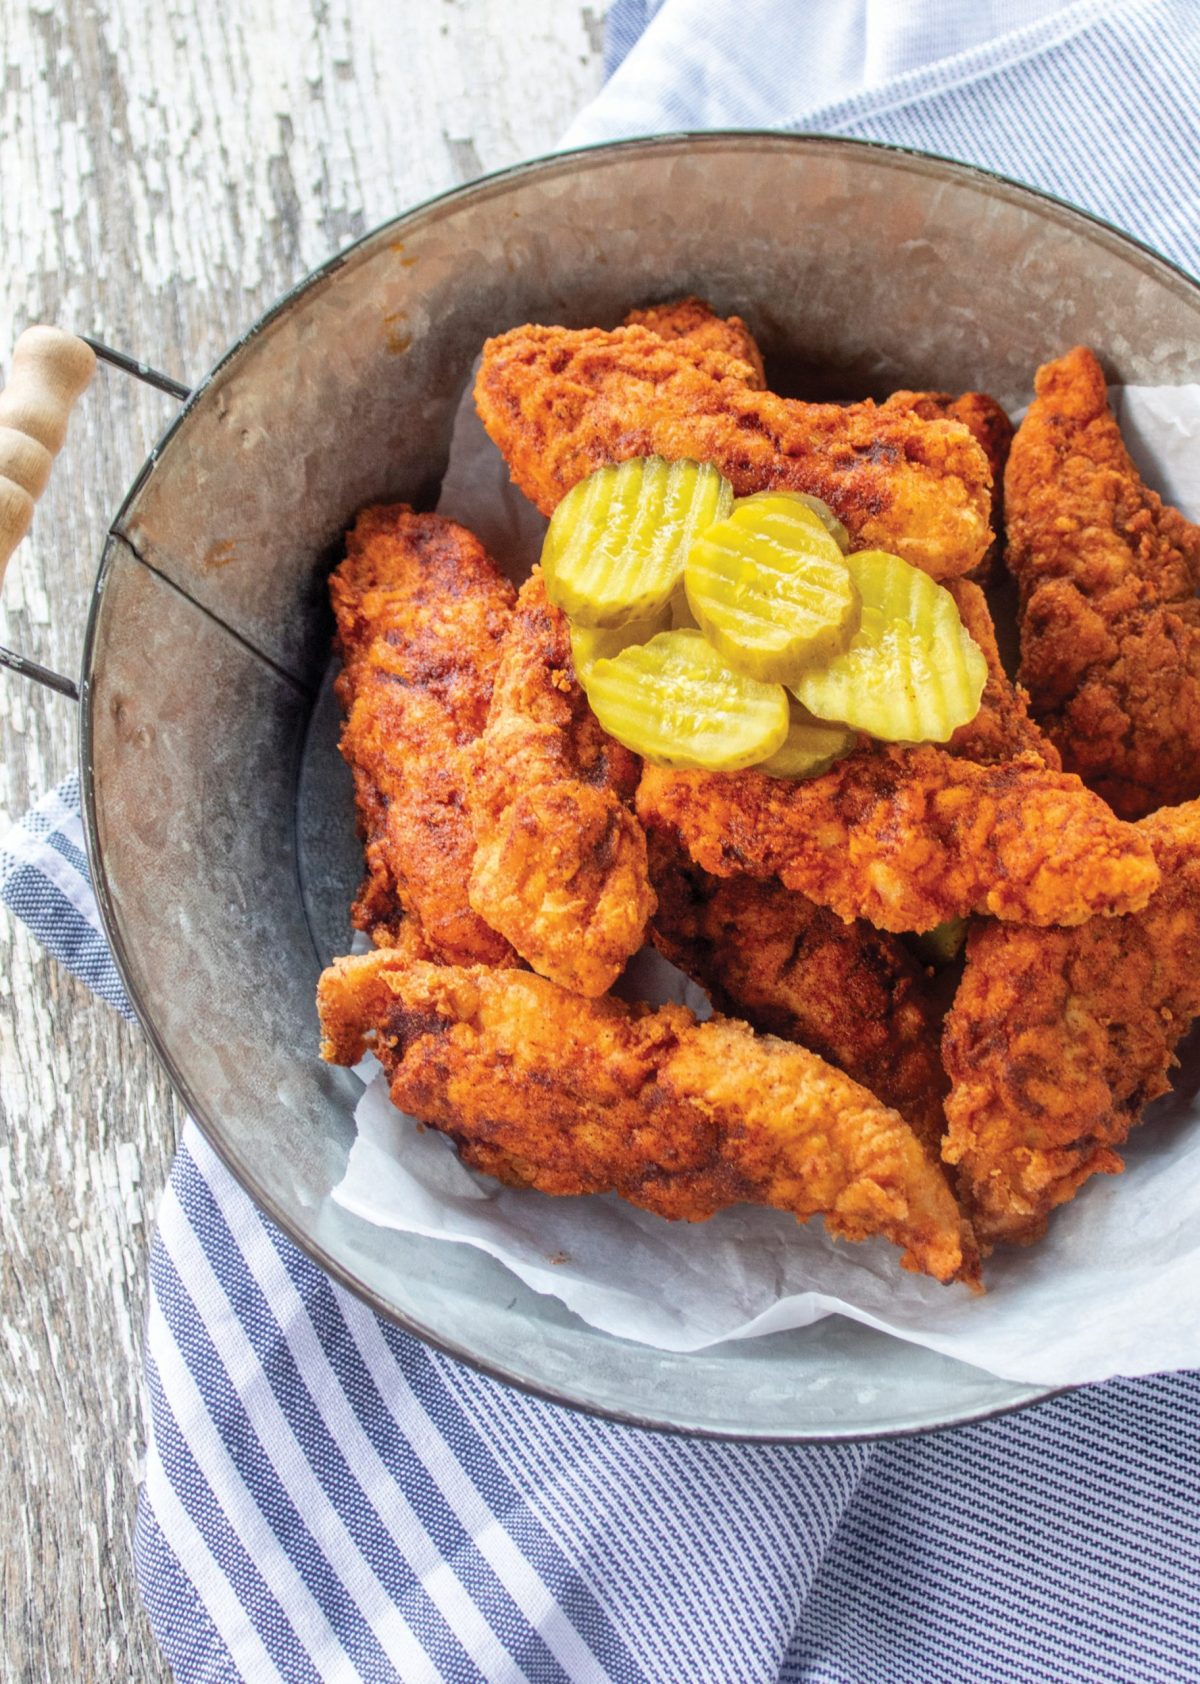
1112, 1289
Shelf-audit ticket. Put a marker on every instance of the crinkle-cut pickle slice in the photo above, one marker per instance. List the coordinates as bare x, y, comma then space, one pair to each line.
810, 747
675, 702
617, 542
911, 673
599, 643
821, 509
770, 589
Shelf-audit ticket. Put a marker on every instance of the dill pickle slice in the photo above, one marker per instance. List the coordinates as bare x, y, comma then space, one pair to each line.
770, 589
911, 673
600, 643
675, 702
810, 747
816, 506
617, 542
828, 520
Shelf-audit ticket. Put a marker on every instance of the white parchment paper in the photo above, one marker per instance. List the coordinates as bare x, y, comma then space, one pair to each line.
1112, 1289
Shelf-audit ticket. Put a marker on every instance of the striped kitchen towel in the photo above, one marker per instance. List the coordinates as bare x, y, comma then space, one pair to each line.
1097, 101
327, 1499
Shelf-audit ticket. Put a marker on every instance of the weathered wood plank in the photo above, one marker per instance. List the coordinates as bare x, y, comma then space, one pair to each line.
165, 172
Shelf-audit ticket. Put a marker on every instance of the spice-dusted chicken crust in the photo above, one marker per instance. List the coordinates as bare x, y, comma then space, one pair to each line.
850, 993
695, 327
561, 402
548, 1090
989, 425
421, 611
559, 864
1058, 1039
1110, 620
911, 837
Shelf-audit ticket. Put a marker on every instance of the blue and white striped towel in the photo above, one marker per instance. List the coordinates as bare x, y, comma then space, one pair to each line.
326, 1499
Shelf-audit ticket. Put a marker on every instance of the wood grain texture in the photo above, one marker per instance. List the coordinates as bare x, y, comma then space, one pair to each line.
166, 170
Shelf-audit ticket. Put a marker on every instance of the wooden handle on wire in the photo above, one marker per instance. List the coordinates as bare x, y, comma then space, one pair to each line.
50, 369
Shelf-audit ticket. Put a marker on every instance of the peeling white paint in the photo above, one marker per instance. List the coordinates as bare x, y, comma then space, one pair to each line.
166, 172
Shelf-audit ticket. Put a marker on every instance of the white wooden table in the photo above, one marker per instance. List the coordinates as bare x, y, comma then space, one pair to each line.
167, 169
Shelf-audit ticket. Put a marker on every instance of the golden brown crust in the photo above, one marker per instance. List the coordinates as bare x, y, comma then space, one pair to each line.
694, 326
559, 863
589, 1096
421, 611
1058, 1039
559, 403
989, 425
911, 837
1110, 622
850, 993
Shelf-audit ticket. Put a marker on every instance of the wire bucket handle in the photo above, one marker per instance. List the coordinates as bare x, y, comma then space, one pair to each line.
50, 371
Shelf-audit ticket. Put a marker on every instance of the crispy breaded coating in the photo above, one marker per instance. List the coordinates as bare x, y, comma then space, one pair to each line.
911, 837
421, 611
850, 993
692, 324
559, 403
682, 1118
559, 863
1110, 622
1058, 1039
989, 426
1002, 729
986, 420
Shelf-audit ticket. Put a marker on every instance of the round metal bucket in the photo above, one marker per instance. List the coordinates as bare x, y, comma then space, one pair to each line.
220, 824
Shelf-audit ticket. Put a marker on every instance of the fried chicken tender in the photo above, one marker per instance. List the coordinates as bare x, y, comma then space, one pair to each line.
1110, 622
985, 419
1002, 729
559, 403
911, 837
850, 993
989, 425
1058, 1039
559, 864
421, 611
694, 326
567, 1095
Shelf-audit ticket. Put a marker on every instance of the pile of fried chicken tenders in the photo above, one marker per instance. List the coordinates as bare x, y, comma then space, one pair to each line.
518, 855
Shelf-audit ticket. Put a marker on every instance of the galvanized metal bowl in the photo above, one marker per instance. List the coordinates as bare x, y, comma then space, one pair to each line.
219, 823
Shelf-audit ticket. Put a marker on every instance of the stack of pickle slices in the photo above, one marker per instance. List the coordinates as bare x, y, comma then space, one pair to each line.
720, 633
